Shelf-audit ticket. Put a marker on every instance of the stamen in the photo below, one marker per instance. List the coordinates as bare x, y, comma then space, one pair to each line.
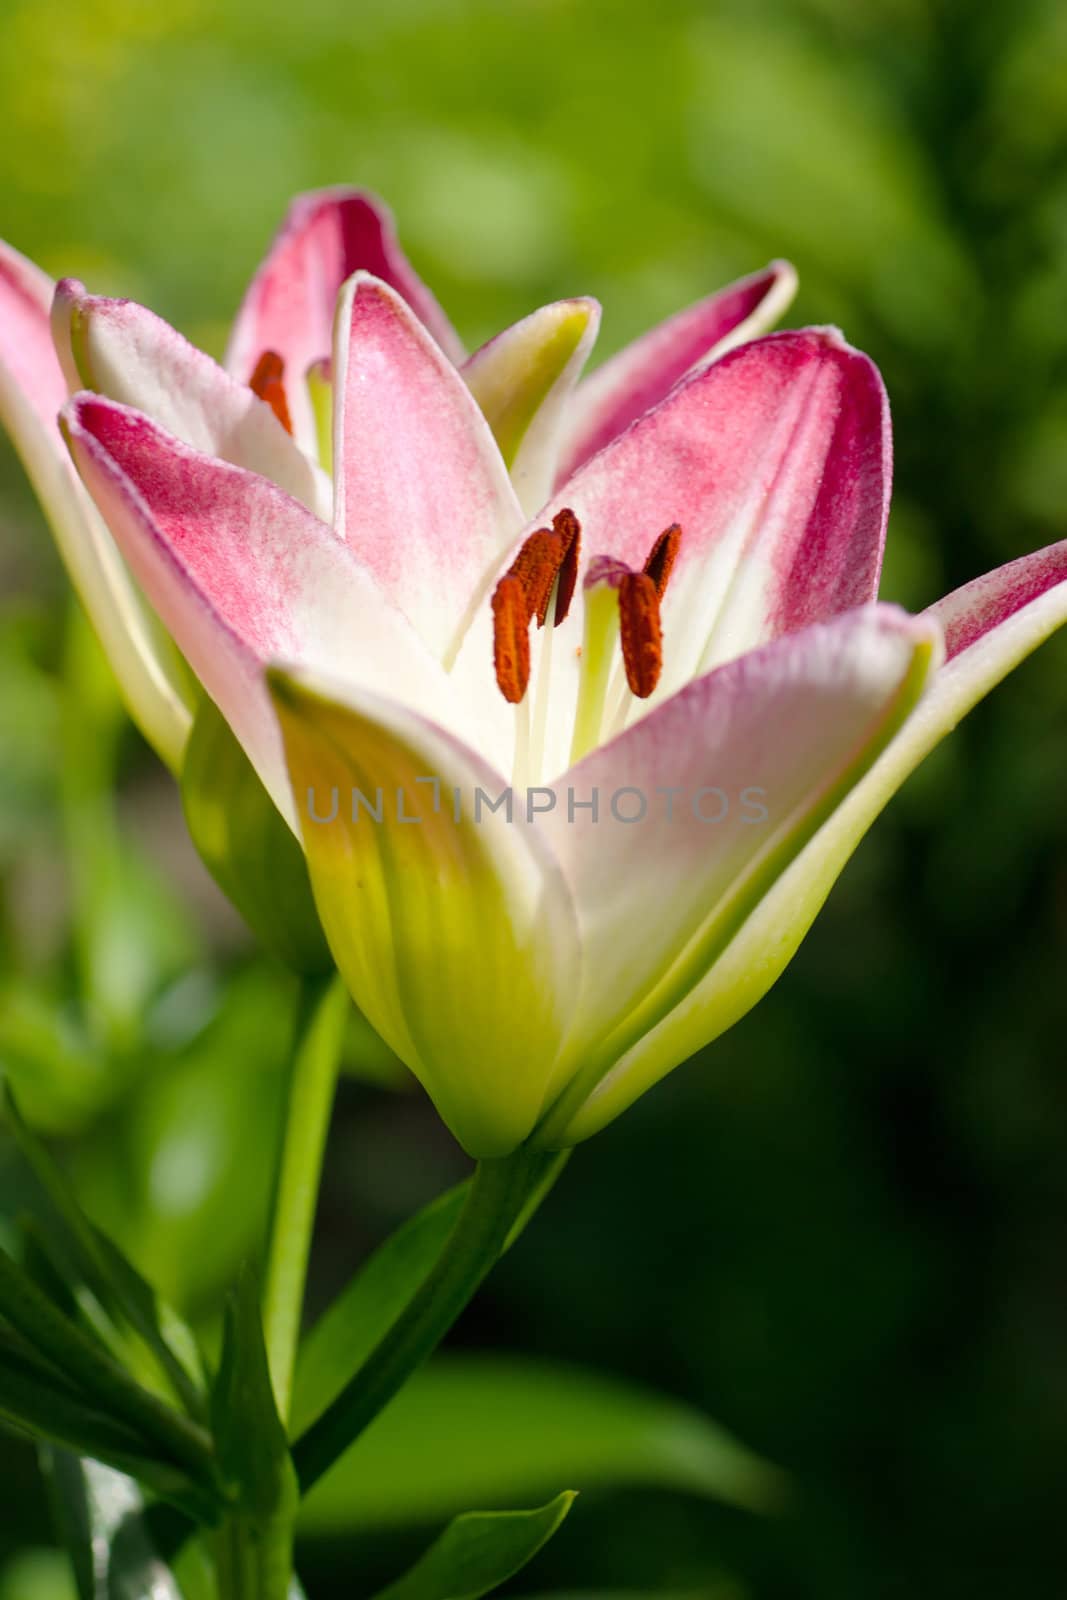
536, 566
511, 638
621, 605
640, 633
569, 530
662, 557
266, 381
525, 591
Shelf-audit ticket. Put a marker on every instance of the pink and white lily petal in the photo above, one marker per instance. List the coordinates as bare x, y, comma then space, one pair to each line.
776, 462
289, 307
455, 932
127, 353
990, 626
524, 380
242, 574
706, 801
422, 493
640, 376
32, 389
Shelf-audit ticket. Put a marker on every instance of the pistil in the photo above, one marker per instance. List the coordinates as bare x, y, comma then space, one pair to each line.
320, 392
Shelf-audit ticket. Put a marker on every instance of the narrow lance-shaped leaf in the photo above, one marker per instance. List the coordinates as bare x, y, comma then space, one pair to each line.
106, 1387
492, 1431
120, 1290
478, 1551
35, 1399
362, 1314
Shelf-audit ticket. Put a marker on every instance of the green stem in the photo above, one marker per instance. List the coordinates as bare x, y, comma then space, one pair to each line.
320, 1033
499, 1194
253, 1561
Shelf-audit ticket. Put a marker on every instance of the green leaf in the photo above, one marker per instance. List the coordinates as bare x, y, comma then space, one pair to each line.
121, 1292
99, 1388
495, 1430
247, 848
253, 1451
168, 1335
101, 1518
363, 1313
477, 1551
37, 1400
366, 1309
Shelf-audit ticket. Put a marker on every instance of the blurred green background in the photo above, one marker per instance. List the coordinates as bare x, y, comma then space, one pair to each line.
843, 1232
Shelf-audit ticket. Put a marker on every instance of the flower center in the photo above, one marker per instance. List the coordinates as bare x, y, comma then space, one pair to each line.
266, 382
622, 607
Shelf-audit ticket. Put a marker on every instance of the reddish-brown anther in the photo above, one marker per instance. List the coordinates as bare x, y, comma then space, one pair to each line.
536, 566
640, 633
266, 381
662, 556
526, 589
569, 531
511, 638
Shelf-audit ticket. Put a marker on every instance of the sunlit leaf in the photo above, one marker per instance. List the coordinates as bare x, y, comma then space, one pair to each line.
346, 1334
478, 1551
494, 1431
362, 1314
91, 1258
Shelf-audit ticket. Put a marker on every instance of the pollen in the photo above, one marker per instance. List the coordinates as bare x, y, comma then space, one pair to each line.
266, 382
640, 632
525, 591
568, 531
548, 554
662, 556
511, 638
535, 567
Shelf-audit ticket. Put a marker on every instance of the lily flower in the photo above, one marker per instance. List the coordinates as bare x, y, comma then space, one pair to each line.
571, 788
268, 407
